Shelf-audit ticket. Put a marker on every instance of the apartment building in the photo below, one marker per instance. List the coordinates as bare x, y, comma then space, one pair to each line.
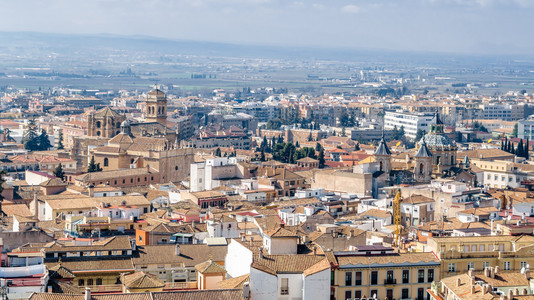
377, 272
412, 122
460, 253
504, 112
503, 174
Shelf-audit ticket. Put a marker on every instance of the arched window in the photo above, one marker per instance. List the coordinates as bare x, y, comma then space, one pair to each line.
89, 281
98, 133
381, 166
421, 169
106, 162
98, 124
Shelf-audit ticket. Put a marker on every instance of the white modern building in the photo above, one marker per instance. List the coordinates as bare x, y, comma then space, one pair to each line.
525, 128
412, 122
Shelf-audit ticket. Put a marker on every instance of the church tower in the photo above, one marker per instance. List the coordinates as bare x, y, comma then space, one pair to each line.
423, 164
156, 107
443, 149
383, 156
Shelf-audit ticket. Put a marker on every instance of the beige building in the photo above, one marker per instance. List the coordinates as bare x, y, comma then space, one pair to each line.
459, 254
344, 181
375, 271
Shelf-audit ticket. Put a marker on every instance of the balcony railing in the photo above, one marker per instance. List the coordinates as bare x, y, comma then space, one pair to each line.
390, 281
181, 285
105, 288
114, 288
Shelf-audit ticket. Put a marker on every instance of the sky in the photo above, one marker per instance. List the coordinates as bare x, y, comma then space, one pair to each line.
458, 26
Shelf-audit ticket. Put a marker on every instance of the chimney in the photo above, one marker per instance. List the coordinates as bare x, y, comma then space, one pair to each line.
486, 272
496, 272
527, 273
91, 189
472, 289
492, 227
484, 289
177, 250
87, 293
458, 282
470, 272
510, 294
35, 205
246, 290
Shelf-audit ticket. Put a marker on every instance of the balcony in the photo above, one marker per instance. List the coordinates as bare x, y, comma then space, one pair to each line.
390, 281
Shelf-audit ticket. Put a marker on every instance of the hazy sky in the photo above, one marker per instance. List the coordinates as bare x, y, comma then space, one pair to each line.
473, 26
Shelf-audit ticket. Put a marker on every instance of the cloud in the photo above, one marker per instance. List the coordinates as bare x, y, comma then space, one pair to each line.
351, 9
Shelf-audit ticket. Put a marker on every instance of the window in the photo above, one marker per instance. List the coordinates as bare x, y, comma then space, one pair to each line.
482, 248
405, 294
89, 281
176, 168
358, 278
374, 277
430, 275
485, 265
507, 265
405, 276
470, 265
358, 294
284, 288
106, 162
389, 277
81, 282
420, 294
474, 248
421, 275
99, 281
389, 293
348, 278
374, 294
523, 264
452, 267
348, 295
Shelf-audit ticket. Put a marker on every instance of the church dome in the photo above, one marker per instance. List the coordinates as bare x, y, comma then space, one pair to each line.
434, 141
125, 123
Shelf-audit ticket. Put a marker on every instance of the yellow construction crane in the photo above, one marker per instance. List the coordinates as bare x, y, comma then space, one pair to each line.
397, 219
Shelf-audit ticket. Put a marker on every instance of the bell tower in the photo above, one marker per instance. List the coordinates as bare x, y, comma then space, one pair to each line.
423, 164
156, 107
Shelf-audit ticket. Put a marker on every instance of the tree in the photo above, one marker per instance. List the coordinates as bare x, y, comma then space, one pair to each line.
343, 133
514, 132
30, 137
527, 148
92, 167
218, 152
280, 139
520, 148
262, 155
318, 147
321, 159
357, 147
297, 145
60, 142
59, 173
43, 141
310, 137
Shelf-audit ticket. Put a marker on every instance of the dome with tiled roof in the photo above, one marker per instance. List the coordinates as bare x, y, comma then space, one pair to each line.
436, 139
